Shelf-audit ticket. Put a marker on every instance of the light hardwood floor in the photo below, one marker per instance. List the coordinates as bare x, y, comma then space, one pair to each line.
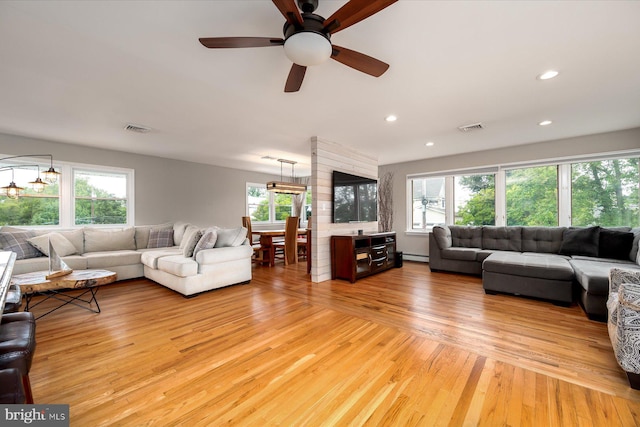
406, 347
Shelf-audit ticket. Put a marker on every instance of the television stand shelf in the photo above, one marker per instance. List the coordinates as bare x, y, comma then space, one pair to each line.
357, 256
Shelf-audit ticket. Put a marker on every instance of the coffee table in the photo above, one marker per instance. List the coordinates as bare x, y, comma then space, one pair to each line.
36, 283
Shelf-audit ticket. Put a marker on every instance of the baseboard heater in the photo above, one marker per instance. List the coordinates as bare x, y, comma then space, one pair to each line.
416, 257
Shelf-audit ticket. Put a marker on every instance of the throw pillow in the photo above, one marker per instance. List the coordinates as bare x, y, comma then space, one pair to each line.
98, 240
17, 242
580, 241
207, 241
190, 241
187, 232
615, 244
442, 235
142, 233
231, 237
160, 238
61, 244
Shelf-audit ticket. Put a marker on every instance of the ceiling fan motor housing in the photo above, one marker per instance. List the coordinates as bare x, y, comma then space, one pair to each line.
309, 45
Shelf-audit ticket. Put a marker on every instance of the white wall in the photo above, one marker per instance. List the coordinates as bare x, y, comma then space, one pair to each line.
418, 245
325, 158
165, 189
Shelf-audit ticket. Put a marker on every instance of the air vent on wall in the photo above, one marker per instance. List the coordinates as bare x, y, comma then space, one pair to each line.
469, 128
137, 128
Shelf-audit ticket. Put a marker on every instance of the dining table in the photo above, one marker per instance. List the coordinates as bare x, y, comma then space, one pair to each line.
267, 238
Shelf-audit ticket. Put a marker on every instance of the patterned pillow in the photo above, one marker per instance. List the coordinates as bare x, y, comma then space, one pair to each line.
190, 241
160, 238
17, 242
207, 241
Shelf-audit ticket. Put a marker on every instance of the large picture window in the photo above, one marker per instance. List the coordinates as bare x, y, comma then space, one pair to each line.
475, 199
100, 197
83, 194
600, 191
605, 192
532, 196
31, 208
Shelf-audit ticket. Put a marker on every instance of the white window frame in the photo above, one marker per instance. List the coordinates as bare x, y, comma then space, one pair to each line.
129, 173
67, 199
564, 186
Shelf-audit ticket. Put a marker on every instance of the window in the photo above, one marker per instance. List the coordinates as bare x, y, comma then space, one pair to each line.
605, 193
428, 202
268, 207
597, 191
532, 196
100, 197
475, 200
30, 208
84, 194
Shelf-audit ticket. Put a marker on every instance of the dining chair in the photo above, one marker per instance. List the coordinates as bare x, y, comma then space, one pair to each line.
289, 247
260, 254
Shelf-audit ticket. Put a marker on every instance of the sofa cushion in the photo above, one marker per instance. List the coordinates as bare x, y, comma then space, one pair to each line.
207, 241
483, 254
143, 231
18, 242
460, 254
61, 245
221, 255
542, 239
111, 258
593, 276
150, 258
550, 267
178, 265
633, 255
99, 240
442, 233
615, 244
466, 236
580, 241
160, 238
231, 237
502, 238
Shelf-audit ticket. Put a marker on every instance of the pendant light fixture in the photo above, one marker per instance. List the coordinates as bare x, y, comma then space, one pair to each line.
12, 191
283, 187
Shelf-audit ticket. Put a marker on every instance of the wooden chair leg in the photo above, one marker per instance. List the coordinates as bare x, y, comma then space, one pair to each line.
27, 388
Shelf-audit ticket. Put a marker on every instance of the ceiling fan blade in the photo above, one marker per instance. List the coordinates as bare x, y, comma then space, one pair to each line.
354, 12
359, 61
230, 42
290, 11
294, 81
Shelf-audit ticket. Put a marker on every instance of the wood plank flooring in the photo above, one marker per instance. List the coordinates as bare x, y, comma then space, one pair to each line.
406, 347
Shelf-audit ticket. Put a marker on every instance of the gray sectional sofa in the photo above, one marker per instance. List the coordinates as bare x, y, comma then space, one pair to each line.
559, 264
181, 256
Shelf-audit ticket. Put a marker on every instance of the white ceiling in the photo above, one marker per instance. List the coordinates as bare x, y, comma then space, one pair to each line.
78, 72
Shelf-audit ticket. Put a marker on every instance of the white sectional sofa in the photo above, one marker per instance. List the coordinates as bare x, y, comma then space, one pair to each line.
198, 260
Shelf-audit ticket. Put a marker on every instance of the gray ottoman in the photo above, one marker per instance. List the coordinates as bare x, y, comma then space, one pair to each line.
538, 275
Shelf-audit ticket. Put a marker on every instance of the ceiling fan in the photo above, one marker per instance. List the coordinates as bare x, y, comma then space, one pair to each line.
307, 37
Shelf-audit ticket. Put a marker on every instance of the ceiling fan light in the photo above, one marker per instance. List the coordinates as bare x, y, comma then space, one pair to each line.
307, 48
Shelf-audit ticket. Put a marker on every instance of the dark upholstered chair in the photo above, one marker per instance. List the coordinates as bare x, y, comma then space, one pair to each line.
18, 345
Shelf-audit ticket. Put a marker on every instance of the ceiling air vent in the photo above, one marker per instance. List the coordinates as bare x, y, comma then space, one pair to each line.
469, 128
137, 128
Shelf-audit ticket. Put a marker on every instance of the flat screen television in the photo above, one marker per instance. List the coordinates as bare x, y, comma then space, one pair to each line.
355, 198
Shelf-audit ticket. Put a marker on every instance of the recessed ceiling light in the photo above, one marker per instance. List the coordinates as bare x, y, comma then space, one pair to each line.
391, 118
430, 144
545, 123
548, 75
